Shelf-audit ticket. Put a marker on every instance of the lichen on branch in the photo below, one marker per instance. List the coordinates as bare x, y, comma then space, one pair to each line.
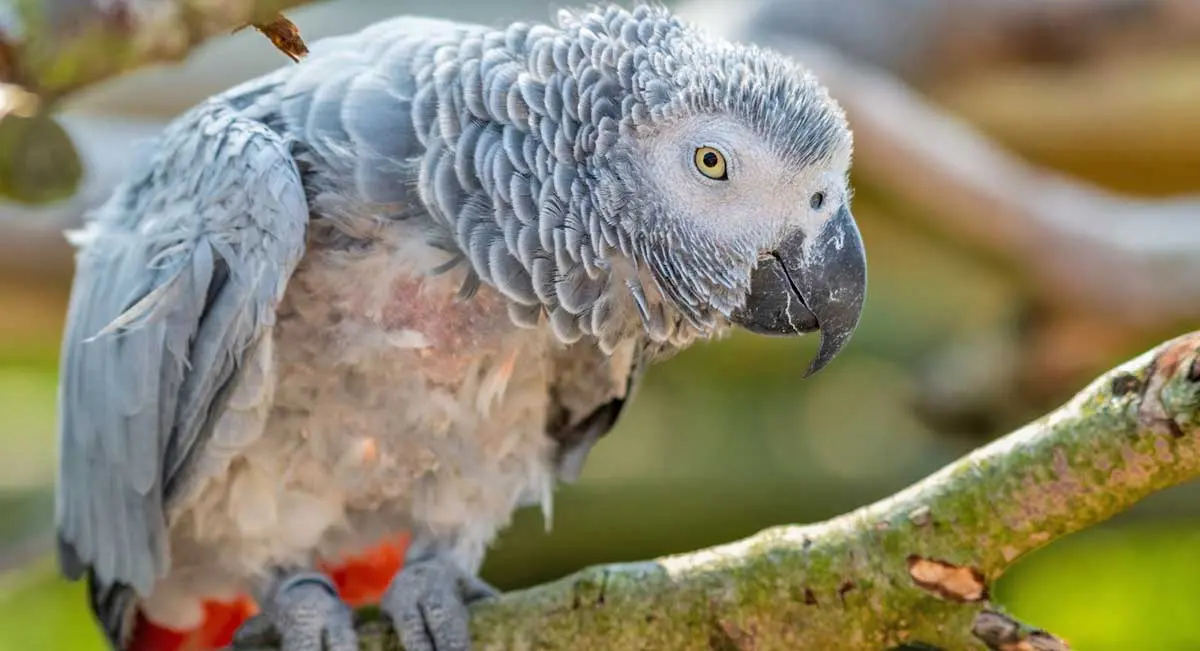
912, 569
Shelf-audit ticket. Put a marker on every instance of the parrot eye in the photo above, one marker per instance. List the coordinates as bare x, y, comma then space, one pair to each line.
711, 163
817, 200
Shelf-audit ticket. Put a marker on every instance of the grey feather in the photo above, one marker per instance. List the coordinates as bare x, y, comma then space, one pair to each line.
178, 274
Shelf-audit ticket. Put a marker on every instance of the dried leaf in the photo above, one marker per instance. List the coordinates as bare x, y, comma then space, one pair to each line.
947, 580
284, 35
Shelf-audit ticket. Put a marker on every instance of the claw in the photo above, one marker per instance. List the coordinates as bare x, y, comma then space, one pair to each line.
302, 612
427, 603
258, 631
476, 589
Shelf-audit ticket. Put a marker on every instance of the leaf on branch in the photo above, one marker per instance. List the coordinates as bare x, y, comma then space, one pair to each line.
38, 162
284, 34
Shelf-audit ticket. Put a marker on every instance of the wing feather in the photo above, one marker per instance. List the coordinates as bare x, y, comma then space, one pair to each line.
587, 398
178, 275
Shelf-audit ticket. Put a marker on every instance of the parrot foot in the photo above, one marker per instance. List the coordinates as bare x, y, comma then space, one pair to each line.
427, 603
301, 612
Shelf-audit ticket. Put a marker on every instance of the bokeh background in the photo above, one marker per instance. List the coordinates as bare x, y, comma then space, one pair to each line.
962, 339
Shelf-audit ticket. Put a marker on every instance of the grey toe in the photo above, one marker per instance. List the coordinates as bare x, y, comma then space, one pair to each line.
303, 613
256, 632
427, 605
476, 589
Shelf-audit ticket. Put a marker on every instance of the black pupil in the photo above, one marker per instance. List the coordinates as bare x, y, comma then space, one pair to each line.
710, 159
817, 200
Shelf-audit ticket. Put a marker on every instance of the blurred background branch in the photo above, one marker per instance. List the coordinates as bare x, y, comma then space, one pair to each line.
1112, 254
1071, 243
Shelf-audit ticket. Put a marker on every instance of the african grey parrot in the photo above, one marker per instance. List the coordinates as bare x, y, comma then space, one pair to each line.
399, 289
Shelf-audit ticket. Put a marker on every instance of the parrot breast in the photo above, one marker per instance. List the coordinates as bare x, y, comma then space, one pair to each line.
392, 407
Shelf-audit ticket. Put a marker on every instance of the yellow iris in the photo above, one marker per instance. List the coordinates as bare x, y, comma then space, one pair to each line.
711, 163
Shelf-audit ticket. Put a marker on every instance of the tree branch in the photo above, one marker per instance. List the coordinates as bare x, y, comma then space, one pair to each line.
914, 568
54, 47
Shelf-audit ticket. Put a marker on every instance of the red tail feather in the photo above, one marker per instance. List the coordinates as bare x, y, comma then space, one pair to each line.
359, 579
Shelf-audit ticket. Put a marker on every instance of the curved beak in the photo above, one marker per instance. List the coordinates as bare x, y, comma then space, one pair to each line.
807, 285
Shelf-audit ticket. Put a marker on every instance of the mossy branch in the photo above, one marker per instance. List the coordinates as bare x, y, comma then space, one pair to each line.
911, 570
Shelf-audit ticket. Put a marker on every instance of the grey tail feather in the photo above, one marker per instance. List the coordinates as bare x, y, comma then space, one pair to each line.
69, 563
114, 606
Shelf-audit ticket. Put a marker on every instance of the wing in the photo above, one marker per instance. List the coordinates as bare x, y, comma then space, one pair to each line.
590, 391
177, 277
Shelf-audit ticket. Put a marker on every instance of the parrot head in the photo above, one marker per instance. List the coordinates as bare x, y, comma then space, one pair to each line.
734, 181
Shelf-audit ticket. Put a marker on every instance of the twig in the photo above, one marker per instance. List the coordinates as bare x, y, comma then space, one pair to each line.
914, 568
